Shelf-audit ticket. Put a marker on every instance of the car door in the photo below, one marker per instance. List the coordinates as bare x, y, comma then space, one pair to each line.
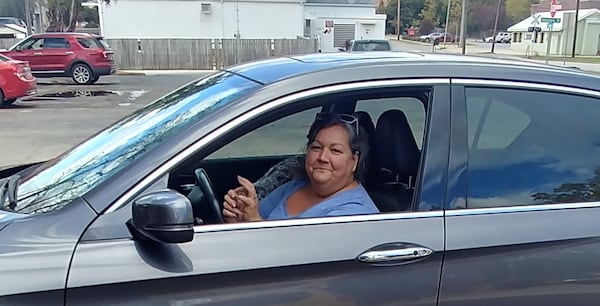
29, 50
55, 55
392, 258
523, 204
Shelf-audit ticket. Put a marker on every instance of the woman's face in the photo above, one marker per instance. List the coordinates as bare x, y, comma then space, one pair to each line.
330, 160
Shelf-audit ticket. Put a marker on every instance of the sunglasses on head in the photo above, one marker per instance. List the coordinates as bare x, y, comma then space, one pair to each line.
345, 118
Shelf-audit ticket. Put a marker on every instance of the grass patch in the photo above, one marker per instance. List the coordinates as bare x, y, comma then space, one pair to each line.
577, 59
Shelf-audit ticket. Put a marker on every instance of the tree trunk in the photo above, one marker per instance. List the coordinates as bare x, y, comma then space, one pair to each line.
75, 6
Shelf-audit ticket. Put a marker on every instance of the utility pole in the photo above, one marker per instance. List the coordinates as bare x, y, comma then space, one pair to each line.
447, 20
575, 28
463, 26
398, 20
496, 26
28, 17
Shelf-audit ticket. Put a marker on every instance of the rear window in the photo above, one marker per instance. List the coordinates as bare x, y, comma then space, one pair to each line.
89, 43
371, 46
103, 43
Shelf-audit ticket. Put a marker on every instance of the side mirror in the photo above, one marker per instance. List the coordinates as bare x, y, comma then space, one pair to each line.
342, 49
164, 216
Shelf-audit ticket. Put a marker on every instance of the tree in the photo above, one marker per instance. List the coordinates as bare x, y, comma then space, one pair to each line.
63, 14
519, 9
430, 12
408, 13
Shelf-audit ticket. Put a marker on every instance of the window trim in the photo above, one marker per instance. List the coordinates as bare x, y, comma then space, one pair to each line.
520, 208
251, 114
526, 85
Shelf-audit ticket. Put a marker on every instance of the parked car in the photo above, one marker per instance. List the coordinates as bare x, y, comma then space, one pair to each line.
362, 45
485, 172
501, 37
16, 80
4, 20
83, 57
430, 37
447, 36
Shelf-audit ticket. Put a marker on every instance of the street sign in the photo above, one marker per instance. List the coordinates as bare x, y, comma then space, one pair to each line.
554, 7
550, 20
536, 19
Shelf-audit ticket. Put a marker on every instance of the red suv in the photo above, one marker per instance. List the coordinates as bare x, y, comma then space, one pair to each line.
83, 57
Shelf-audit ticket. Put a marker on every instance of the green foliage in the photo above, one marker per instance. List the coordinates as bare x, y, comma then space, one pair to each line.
409, 10
481, 14
430, 11
519, 9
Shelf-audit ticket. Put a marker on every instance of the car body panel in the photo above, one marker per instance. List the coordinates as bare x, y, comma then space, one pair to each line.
290, 246
12, 85
36, 251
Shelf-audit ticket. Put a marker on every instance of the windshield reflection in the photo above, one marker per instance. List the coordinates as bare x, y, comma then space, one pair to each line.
57, 182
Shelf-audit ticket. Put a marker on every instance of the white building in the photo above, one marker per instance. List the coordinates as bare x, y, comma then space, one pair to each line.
330, 21
588, 34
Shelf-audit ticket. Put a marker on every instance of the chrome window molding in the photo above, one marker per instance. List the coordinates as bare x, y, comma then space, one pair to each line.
525, 85
235, 122
518, 209
316, 221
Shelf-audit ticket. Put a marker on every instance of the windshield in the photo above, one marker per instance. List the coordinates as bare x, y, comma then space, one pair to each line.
58, 182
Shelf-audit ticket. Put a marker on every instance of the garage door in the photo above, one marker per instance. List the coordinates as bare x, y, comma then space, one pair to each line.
341, 33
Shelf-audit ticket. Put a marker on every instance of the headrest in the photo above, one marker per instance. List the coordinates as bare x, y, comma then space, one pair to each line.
396, 148
365, 122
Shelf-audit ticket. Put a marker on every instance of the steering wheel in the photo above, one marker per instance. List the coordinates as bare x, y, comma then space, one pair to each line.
213, 206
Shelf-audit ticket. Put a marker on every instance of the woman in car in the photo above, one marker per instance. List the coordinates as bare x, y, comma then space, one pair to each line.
329, 186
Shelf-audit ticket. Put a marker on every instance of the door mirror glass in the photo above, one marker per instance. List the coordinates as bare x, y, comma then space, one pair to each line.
163, 216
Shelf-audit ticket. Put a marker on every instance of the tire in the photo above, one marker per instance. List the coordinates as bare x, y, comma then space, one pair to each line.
6, 102
82, 74
95, 79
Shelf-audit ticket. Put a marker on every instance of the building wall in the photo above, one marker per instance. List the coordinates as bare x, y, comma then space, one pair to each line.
590, 45
588, 36
368, 25
185, 19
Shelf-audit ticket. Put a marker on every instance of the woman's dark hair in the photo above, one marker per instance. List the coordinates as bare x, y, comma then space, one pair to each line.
358, 142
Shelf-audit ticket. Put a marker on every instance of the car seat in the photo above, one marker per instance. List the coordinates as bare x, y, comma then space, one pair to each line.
396, 164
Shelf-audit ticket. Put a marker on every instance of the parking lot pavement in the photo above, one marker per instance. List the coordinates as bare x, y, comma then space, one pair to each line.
62, 114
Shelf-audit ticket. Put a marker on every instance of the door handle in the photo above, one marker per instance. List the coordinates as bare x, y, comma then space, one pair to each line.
37, 53
69, 52
410, 253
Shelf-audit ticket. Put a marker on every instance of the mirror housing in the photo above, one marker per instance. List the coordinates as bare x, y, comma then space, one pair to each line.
164, 216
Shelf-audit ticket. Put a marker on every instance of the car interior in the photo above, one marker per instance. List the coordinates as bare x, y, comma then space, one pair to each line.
390, 118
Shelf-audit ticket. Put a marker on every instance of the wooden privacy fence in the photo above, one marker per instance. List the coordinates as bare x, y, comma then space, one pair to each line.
202, 53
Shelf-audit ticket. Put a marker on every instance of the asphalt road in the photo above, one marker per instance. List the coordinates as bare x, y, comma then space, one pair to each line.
63, 114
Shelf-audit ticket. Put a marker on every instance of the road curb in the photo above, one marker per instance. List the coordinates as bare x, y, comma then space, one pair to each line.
125, 72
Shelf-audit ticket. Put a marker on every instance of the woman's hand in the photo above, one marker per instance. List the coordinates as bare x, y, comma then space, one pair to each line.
241, 203
231, 206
